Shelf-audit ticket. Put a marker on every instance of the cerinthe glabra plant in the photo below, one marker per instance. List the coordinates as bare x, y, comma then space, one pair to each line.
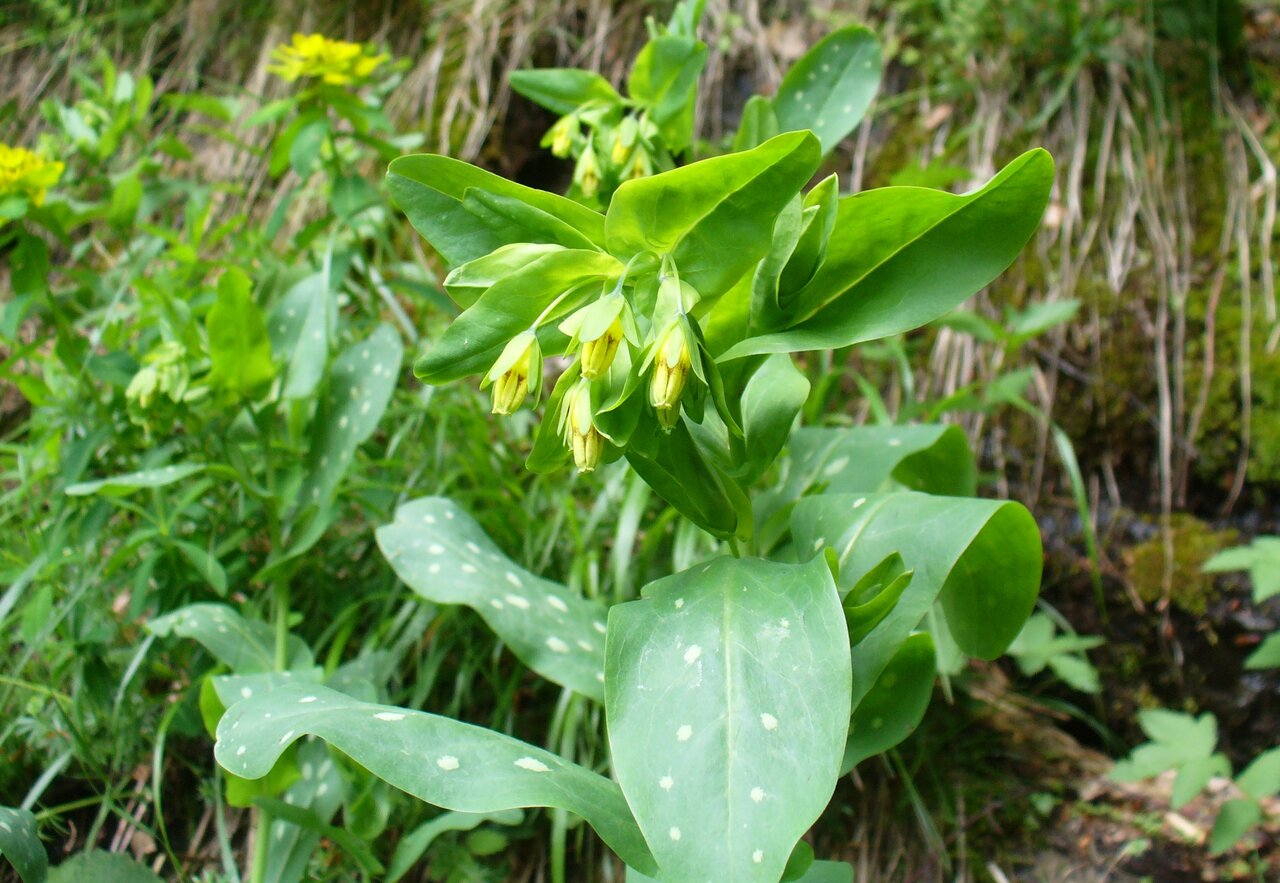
736, 691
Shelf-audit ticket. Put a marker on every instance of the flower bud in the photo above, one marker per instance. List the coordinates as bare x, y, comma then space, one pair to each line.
578, 426
587, 173
620, 151
597, 355
510, 374
671, 364
560, 136
640, 166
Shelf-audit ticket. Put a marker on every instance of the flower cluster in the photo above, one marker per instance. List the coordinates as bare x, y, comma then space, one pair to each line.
23, 173
598, 333
336, 62
607, 151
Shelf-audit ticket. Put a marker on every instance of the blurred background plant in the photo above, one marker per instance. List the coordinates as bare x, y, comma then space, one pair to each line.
1141, 328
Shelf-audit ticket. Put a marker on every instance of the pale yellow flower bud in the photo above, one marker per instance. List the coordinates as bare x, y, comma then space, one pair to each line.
562, 137
587, 173
521, 358
580, 432
597, 355
671, 364
620, 151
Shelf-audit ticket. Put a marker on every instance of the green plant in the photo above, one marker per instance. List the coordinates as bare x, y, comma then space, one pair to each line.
1186, 744
737, 689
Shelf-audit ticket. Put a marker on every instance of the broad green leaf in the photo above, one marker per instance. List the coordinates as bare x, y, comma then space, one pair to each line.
243, 645
759, 123
563, 90
899, 257
715, 217
932, 458
1261, 779
1267, 655
1261, 559
818, 872
980, 558
466, 283
299, 331
441, 761
444, 556
1194, 775
430, 190
123, 485
1177, 739
239, 347
414, 844
830, 88
664, 77
722, 745
511, 305
102, 867
512, 218
1234, 821
672, 464
361, 382
771, 400
20, 844
895, 705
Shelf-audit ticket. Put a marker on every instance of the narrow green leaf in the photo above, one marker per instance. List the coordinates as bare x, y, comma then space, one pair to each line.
20, 844
771, 401
441, 761
830, 88
1234, 821
1261, 779
299, 330
444, 556
414, 845
711, 680
1267, 655
205, 564
123, 485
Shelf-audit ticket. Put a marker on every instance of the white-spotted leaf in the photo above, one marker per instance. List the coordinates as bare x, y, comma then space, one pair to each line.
442, 761
727, 691
242, 645
21, 846
446, 557
122, 485
830, 88
299, 330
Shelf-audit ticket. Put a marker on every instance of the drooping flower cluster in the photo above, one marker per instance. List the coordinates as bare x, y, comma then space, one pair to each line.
607, 151
24, 173
335, 62
598, 333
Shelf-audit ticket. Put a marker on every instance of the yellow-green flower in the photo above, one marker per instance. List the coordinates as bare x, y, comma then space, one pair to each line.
587, 173
598, 329
521, 360
597, 355
560, 136
23, 173
336, 62
577, 424
671, 364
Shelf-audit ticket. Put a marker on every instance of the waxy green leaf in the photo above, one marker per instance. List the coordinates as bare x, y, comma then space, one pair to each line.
895, 704
715, 217
899, 257
444, 556
299, 330
244, 646
123, 485
830, 88
563, 90
981, 558
727, 698
441, 761
430, 190
21, 846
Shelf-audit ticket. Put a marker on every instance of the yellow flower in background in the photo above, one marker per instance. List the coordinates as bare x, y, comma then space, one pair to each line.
337, 62
23, 173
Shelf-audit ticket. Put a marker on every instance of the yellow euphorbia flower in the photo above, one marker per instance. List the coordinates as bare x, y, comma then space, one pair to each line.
337, 62
23, 173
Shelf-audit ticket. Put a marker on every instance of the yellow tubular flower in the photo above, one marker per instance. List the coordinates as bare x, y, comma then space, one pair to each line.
23, 173
597, 355
620, 151
561, 136
587, 173
580, 432
671, 364
510, 374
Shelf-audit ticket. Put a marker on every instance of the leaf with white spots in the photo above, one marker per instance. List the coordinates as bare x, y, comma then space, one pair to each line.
444, 762
320, 788
242, 645
123, 485
299, 328
981, 558
360, 385
895, 705
818, 872
830, 88
446, 557
21, 846
727, 697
